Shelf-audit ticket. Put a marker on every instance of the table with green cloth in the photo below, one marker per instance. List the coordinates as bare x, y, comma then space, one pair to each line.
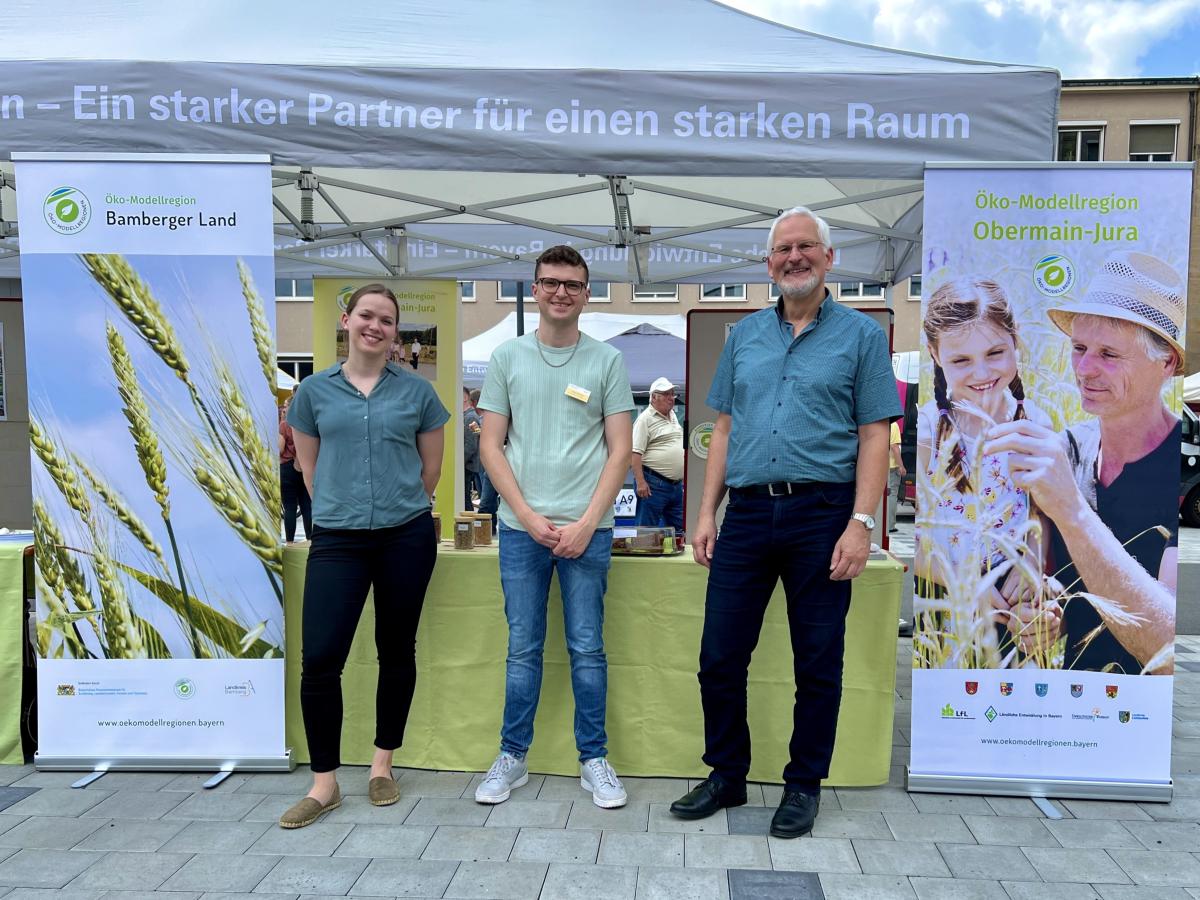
654, 613
16, 572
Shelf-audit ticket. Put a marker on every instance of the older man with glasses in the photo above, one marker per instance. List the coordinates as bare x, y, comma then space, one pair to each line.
658, 459
804, 391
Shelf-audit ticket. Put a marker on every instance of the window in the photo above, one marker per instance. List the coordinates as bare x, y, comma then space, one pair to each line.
722, 292
466, 290
599, 291
508, 291
1152, 141
914, 287
654, 292
293, 288
1080, 144
861, 290
299, 367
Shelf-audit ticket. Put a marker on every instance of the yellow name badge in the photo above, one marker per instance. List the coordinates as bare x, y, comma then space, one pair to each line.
575, 392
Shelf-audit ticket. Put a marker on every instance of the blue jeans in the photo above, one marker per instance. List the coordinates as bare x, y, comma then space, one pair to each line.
762, 540
664, 506
525, 570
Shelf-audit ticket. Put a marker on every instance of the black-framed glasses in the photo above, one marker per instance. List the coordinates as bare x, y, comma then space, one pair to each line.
551, 286
804, 247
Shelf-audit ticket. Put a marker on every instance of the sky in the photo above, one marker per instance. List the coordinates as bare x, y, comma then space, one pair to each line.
1082, 39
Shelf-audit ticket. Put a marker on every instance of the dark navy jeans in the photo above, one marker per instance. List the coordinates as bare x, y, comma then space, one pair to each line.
762, 540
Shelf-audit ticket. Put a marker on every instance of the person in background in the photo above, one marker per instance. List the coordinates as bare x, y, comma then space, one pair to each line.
896, 473
369, 438
562, 400
489, 500
472, 427
292, 491
658, 459
804, 390
415, 359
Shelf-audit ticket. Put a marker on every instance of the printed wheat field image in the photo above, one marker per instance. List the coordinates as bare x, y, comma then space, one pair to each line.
156, 482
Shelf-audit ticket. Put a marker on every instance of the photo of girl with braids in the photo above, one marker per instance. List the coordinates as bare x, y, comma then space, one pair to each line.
976, 530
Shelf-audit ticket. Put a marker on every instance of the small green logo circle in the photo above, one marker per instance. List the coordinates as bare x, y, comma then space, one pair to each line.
67, 210
185, 689
1054, 275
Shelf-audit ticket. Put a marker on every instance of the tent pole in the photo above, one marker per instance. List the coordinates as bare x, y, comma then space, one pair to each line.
520, 308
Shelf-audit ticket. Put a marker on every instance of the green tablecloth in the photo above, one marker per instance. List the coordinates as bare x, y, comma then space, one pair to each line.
653, 617
12, 620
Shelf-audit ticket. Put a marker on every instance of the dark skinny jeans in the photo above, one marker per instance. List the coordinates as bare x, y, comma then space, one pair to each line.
343, 564
294, 494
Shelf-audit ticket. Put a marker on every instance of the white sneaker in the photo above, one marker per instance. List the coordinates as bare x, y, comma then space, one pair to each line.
597, 776
506, 773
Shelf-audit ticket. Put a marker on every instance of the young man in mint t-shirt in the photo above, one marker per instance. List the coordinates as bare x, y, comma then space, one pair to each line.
562, 399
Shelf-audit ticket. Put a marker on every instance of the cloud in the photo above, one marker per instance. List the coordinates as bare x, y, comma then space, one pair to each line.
1089, 39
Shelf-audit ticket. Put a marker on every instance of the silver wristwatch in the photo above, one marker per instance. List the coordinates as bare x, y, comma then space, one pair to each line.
867, 519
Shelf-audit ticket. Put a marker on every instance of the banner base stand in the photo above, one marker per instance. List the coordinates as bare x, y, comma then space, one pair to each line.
45, 763
1141, 791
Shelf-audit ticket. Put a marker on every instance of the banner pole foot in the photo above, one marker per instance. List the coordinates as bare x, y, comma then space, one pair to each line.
87, 779
1048, 809
226, 771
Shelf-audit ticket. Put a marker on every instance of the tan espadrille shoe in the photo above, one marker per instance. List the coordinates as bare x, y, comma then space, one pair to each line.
309, 810
383, 791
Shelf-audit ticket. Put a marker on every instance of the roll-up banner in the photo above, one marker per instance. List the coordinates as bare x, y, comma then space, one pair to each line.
149, 331
1054, 311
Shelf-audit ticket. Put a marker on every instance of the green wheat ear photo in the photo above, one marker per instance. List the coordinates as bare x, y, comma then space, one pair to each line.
159, 536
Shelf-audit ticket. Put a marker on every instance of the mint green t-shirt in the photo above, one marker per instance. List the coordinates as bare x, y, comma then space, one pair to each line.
556, 443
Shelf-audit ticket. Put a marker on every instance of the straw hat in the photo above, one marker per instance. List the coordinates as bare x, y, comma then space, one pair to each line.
1133, 287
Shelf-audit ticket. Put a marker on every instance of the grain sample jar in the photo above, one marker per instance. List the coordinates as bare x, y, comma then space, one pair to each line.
483, 529
464, 532
437, 527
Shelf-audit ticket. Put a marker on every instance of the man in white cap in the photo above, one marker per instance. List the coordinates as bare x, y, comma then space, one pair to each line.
1110, 488
658, 459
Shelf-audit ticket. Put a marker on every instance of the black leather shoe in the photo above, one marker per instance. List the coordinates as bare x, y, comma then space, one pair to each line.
706, 798
796, 814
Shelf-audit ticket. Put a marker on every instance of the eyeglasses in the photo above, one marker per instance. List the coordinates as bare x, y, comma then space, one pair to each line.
551, 285
803, 247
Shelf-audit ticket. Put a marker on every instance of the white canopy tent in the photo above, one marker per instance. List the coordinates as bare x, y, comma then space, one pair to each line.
477, 351
458, 141
1191, 388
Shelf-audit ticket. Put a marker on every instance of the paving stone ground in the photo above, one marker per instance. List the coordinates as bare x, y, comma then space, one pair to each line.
162, 837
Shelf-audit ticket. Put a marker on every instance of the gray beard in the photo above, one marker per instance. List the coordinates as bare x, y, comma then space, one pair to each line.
802, 289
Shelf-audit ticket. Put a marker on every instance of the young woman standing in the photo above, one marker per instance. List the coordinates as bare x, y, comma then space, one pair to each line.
369, 439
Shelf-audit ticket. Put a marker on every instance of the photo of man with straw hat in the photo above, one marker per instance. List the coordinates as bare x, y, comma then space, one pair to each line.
1108, 485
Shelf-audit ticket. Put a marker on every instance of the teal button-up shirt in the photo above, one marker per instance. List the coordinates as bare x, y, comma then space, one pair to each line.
796, 402
368, 468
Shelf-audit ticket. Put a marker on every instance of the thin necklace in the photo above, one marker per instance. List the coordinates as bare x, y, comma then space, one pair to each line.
538, 340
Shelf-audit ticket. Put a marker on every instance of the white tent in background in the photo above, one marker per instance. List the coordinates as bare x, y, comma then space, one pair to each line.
601, 326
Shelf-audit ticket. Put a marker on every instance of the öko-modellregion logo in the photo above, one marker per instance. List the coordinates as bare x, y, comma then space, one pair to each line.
67, 210
1054, 275
185, 689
